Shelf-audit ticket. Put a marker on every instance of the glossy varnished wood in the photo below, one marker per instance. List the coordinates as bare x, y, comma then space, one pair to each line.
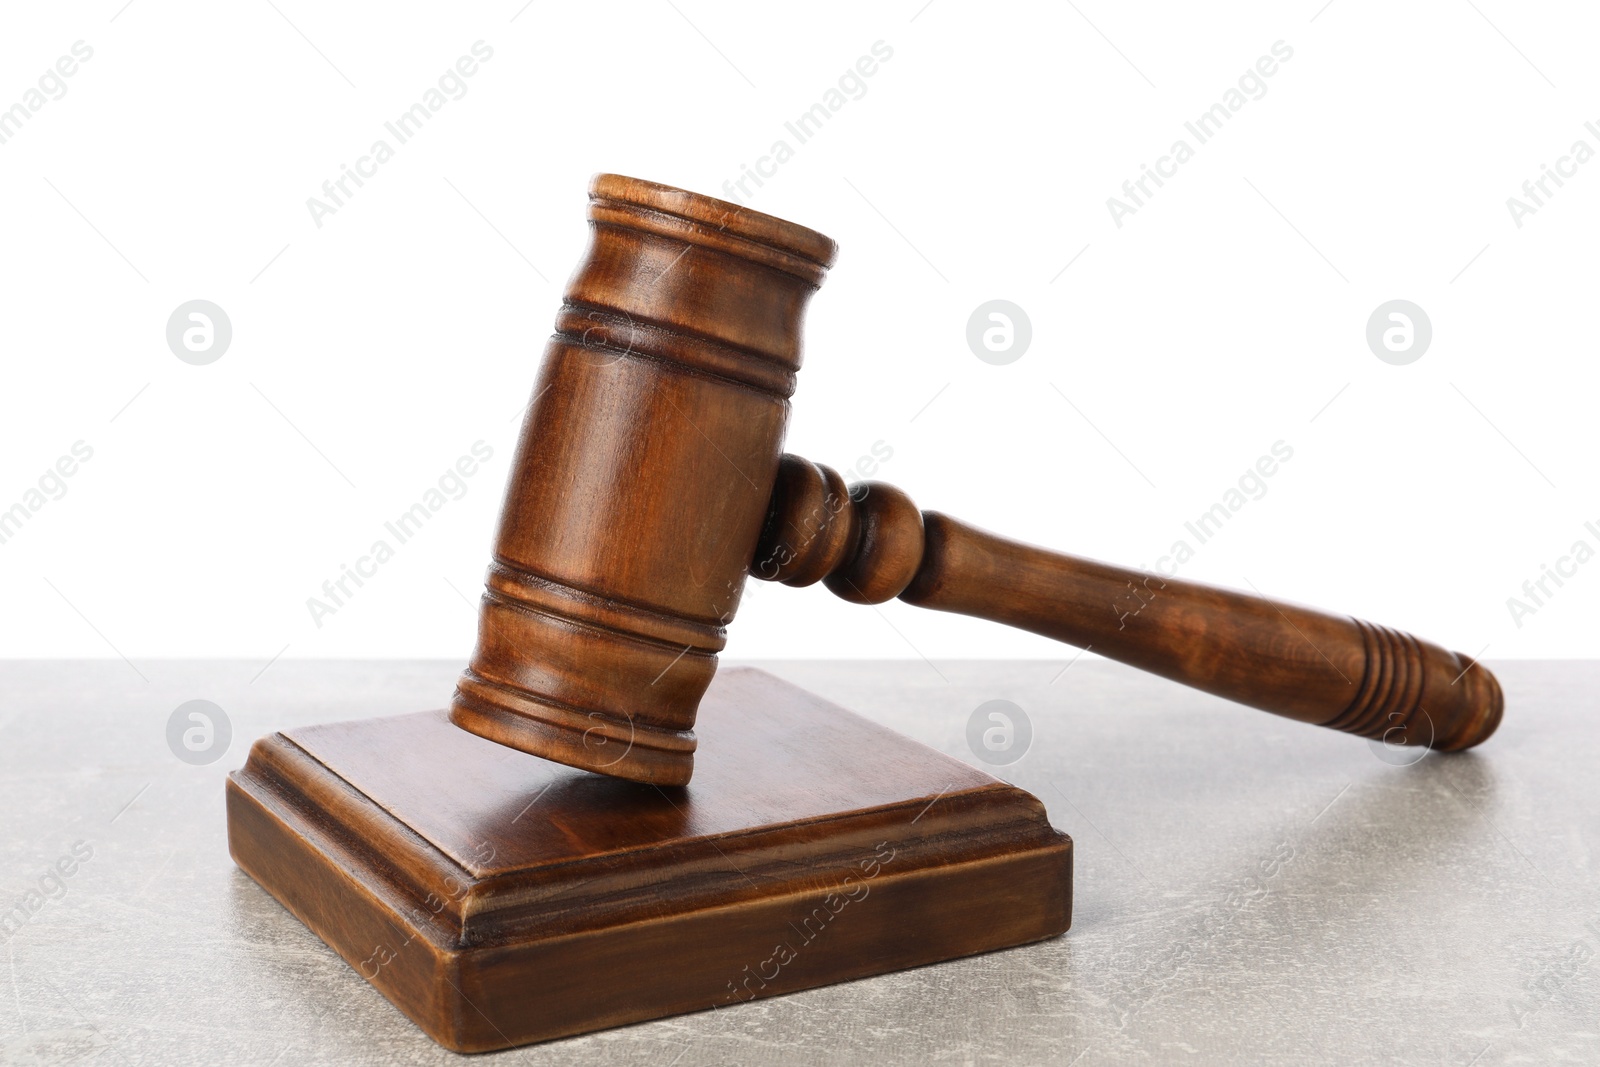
648, 481
644, 470
498, 898
870, 544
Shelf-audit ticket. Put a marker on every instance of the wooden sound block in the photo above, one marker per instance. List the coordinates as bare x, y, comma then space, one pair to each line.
498, 898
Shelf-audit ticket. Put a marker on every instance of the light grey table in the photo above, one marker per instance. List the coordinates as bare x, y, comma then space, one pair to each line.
1247, 888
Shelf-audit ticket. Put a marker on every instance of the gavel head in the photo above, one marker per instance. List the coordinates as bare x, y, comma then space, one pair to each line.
641, 482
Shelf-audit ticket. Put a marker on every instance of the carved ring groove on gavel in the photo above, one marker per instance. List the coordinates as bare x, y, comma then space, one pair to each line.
650, 481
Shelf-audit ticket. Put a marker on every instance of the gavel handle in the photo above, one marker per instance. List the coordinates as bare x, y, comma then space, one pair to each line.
870, 543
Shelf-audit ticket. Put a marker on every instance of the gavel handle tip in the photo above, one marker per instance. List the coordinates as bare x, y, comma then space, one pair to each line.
871, 543
1483, 696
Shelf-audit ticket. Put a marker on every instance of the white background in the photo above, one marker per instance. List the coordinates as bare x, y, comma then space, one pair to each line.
1227, 314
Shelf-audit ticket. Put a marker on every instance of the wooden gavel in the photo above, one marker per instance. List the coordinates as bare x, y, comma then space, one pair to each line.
650, 481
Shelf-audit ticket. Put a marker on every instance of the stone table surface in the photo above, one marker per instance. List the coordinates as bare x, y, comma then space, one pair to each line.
1248, 889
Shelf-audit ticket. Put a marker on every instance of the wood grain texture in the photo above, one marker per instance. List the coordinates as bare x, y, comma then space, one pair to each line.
871, 544
649, 480
498, 898
641, 480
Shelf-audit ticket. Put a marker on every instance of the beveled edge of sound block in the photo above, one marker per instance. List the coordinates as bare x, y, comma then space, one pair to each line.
617, 902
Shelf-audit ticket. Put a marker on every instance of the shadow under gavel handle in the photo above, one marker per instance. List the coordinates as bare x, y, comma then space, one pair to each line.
870, 543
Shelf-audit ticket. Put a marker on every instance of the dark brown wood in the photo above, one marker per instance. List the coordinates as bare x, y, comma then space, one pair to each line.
870, 544
497, 898
641, 481
647, 466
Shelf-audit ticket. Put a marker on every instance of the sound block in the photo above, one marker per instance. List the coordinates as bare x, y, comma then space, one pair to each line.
497, 898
